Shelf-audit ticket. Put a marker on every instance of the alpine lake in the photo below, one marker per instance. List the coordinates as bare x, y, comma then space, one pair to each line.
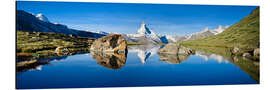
141, 66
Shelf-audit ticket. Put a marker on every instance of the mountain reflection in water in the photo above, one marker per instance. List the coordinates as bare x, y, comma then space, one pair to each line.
144, 51
208, 56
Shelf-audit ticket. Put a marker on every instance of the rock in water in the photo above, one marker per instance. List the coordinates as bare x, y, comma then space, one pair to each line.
114, 43
174, 48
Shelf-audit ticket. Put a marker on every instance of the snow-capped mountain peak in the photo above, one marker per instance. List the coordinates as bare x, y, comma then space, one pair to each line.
42, 17
144, 30
220, 29
145, 35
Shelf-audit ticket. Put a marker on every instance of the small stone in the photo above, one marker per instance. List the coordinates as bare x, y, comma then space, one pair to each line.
247, 55
60, 50
235, 50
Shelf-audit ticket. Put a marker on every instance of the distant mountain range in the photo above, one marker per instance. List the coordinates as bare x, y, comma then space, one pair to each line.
40, 23
243, 34
146, 35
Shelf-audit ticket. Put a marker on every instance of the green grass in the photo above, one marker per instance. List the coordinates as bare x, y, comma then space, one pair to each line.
43, 44
134, 43
244, 34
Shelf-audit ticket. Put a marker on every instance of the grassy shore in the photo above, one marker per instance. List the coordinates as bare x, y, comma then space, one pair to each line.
43, 44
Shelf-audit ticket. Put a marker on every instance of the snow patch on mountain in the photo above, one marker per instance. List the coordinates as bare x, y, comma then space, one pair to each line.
102, 32
219, 30
202, 34
42, 17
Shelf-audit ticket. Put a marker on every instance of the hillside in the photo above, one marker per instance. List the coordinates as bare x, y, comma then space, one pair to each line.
244, 34
26, 21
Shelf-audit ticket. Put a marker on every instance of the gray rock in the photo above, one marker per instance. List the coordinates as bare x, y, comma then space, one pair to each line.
256, 52
235, 50
247, 55
174, 48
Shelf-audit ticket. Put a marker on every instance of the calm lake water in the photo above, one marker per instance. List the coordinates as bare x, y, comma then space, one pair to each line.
142, 67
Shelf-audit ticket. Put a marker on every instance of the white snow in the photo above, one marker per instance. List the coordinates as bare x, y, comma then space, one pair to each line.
42, 17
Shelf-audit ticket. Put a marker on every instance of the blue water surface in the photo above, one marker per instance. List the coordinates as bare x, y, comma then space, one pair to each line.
82, 71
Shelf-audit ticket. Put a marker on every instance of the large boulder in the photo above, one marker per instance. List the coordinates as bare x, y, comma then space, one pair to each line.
114, 43
174, 48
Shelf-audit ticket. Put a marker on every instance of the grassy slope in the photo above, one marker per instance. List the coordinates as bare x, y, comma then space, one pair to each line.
41, 44
244, 34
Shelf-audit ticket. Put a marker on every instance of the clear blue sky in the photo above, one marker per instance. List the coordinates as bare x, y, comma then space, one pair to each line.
126, 18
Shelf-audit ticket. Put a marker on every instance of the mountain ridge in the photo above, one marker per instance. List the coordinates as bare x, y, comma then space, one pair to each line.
28, 22
243, 34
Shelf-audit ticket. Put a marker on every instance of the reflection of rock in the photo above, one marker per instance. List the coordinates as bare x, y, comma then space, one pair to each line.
144, 51
110, 60
173, 58
61, 51
234, 58
111, 43
174, 48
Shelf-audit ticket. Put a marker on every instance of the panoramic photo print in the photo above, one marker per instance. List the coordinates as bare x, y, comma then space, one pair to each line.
88, 45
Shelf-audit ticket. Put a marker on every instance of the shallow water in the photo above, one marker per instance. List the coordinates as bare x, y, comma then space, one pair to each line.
142, 67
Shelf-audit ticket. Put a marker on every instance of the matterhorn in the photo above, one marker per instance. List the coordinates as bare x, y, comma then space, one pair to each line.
145, 35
